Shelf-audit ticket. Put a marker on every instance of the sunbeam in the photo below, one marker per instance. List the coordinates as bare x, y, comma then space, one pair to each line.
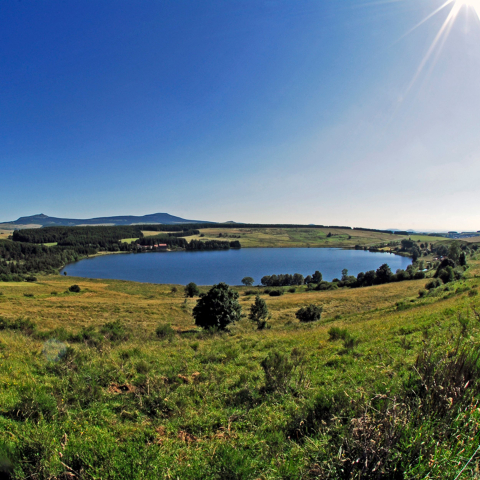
442, 35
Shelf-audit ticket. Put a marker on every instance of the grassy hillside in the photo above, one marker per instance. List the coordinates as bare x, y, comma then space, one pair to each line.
89, 390
298, 237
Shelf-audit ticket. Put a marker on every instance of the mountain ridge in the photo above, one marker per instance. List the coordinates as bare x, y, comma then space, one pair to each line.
43, 220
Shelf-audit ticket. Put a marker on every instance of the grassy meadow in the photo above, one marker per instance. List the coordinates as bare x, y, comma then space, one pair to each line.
116, 382
4, 234
298, 237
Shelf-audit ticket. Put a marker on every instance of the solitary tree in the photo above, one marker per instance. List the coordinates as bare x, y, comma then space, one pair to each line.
191, 290
217, 308
248, 281
258, 310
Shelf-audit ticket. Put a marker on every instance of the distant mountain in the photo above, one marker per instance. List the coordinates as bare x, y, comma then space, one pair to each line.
42, 220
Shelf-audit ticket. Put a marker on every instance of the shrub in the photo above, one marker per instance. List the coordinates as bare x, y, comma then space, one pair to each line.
326, 286
249, 292
258, 311
217, 308
447, 274
276, 293
173, 290
164, 330
74, 289
26, 326
30, 278
335, 333
311, 313
419, 275
88, 335
114, 331
279, 369
191, 290
292, 290
436, 282
350, 342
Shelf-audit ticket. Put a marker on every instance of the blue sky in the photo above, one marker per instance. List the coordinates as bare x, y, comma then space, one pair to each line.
254, 111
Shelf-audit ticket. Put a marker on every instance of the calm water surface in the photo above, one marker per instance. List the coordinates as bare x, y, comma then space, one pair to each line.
230, 266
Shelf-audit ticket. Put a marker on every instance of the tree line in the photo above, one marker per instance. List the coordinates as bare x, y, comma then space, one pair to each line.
18, 261
27, 255
73, 236
182, 243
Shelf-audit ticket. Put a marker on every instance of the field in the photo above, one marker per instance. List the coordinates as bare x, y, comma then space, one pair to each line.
4, 234
298, 237
89, 390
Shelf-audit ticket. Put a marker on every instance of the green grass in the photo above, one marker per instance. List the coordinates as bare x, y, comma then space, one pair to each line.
298, 237
116, 382
128, 240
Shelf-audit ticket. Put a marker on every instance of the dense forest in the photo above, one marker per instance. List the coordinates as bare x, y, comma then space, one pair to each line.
29, 252
102, 237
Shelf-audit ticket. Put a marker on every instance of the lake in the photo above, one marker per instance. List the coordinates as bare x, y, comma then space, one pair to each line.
230, 266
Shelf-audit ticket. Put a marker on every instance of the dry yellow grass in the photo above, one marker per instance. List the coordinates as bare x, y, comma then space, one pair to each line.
146, 305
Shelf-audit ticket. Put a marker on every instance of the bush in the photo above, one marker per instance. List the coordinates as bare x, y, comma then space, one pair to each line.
217, 308
164, 330
26, 326
279, 369
312, 313
335, 333
191, 290
447, 274
326, 286
114, 331
74, 289
350, 342
436, 282
259, 311
292, 290
30, 278
276, 293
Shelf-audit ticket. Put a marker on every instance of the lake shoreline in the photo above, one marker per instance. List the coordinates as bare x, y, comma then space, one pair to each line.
207, 267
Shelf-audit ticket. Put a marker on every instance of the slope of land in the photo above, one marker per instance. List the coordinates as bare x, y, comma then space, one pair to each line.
305, 237
88, 389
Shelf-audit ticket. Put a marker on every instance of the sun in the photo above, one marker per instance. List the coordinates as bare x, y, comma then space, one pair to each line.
470, 3
455, 8
473, 4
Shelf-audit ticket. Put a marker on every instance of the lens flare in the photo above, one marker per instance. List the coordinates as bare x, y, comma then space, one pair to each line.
456, 6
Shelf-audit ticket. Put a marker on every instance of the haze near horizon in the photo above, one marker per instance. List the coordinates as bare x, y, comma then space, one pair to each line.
324, 112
